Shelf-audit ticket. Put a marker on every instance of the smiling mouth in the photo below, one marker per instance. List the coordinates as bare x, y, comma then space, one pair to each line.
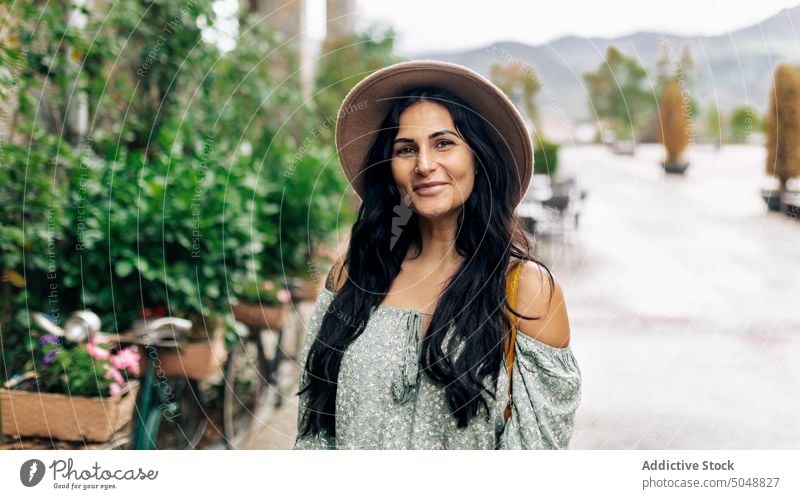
430, 190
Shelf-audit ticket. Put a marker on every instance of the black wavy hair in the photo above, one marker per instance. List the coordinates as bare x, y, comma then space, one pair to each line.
475, 298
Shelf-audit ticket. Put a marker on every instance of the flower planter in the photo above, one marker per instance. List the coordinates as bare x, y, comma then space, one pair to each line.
790, 204
61, 417
261, 316
307, 291
678, 168
194, 360
772, 198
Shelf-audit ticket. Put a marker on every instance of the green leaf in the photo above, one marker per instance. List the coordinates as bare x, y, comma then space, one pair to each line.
123, 268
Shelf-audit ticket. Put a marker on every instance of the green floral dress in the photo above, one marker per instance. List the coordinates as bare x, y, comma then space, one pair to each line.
384, 401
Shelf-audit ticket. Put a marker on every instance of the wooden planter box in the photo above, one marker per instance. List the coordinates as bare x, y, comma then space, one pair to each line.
306, 291
261, 316
61, 417
194, 360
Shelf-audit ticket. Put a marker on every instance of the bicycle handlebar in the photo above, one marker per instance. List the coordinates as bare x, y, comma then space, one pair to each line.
83, 324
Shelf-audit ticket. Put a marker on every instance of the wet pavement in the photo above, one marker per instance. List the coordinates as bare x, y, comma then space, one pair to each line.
684, 306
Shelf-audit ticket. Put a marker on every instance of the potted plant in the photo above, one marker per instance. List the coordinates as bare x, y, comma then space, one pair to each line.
783, 137
74, 391
200, 351
263, 305
674, 130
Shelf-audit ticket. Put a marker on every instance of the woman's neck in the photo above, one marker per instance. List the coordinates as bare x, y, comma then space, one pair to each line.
438, 238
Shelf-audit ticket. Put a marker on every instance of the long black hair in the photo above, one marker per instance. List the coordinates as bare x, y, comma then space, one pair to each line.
474, 300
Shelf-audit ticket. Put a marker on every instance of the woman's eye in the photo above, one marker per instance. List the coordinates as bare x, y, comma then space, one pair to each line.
404, 150
444, 144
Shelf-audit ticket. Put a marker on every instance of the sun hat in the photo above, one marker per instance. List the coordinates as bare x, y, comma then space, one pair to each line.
366, 105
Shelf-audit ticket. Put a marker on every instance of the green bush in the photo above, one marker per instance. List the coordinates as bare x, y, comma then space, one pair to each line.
32, 222
202, 172
545, 157
164, 230
744, 121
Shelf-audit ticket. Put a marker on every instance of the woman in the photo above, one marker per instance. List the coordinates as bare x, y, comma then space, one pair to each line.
405, 348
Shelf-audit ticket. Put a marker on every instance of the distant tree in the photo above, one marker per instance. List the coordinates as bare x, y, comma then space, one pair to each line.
783, 126
713, 129
669, 68
519, 82
344, 62
620, 94
674, 131
743, 122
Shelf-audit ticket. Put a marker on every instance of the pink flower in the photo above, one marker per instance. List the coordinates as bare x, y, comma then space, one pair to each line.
95, 351
114, 389
268, 285
126, 359
115, 376
284, 296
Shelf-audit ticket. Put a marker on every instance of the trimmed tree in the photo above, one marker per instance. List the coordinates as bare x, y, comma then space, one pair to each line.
783, 127
674, 130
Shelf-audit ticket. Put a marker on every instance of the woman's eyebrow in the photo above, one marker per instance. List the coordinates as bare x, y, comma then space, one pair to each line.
431, 136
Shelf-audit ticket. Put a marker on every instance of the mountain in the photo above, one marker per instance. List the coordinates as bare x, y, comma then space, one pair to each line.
730, 70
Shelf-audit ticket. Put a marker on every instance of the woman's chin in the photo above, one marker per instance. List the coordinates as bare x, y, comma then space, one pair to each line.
434, 209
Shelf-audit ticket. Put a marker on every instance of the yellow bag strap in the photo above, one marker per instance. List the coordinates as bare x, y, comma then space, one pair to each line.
512, 283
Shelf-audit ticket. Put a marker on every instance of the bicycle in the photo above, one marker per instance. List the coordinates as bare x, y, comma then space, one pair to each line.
175, 412
263, 335
175, 398
235, 401
244, 398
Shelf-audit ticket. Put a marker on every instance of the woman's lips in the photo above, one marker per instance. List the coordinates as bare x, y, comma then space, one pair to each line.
431, 190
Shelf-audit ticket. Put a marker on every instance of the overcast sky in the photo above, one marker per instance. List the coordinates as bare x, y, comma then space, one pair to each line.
428, 25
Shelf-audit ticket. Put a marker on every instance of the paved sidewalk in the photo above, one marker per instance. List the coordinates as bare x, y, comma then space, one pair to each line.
683, 300
280, 430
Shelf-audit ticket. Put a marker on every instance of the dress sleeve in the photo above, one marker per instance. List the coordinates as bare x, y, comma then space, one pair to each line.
316, 442
546, 391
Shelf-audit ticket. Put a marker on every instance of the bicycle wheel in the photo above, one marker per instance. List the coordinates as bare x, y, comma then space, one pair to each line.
246, 376
184, 421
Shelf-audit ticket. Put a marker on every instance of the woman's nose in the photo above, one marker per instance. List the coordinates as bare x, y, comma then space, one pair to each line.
425, 164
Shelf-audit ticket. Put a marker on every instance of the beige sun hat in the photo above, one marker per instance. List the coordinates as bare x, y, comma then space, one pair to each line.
367, 104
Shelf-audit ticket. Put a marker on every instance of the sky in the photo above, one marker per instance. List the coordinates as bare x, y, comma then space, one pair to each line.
449, 25
428, 25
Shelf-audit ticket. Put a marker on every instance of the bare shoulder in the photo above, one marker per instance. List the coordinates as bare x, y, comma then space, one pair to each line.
536, 297
337, 275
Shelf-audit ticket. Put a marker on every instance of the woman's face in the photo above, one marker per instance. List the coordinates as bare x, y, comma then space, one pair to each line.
427, 141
